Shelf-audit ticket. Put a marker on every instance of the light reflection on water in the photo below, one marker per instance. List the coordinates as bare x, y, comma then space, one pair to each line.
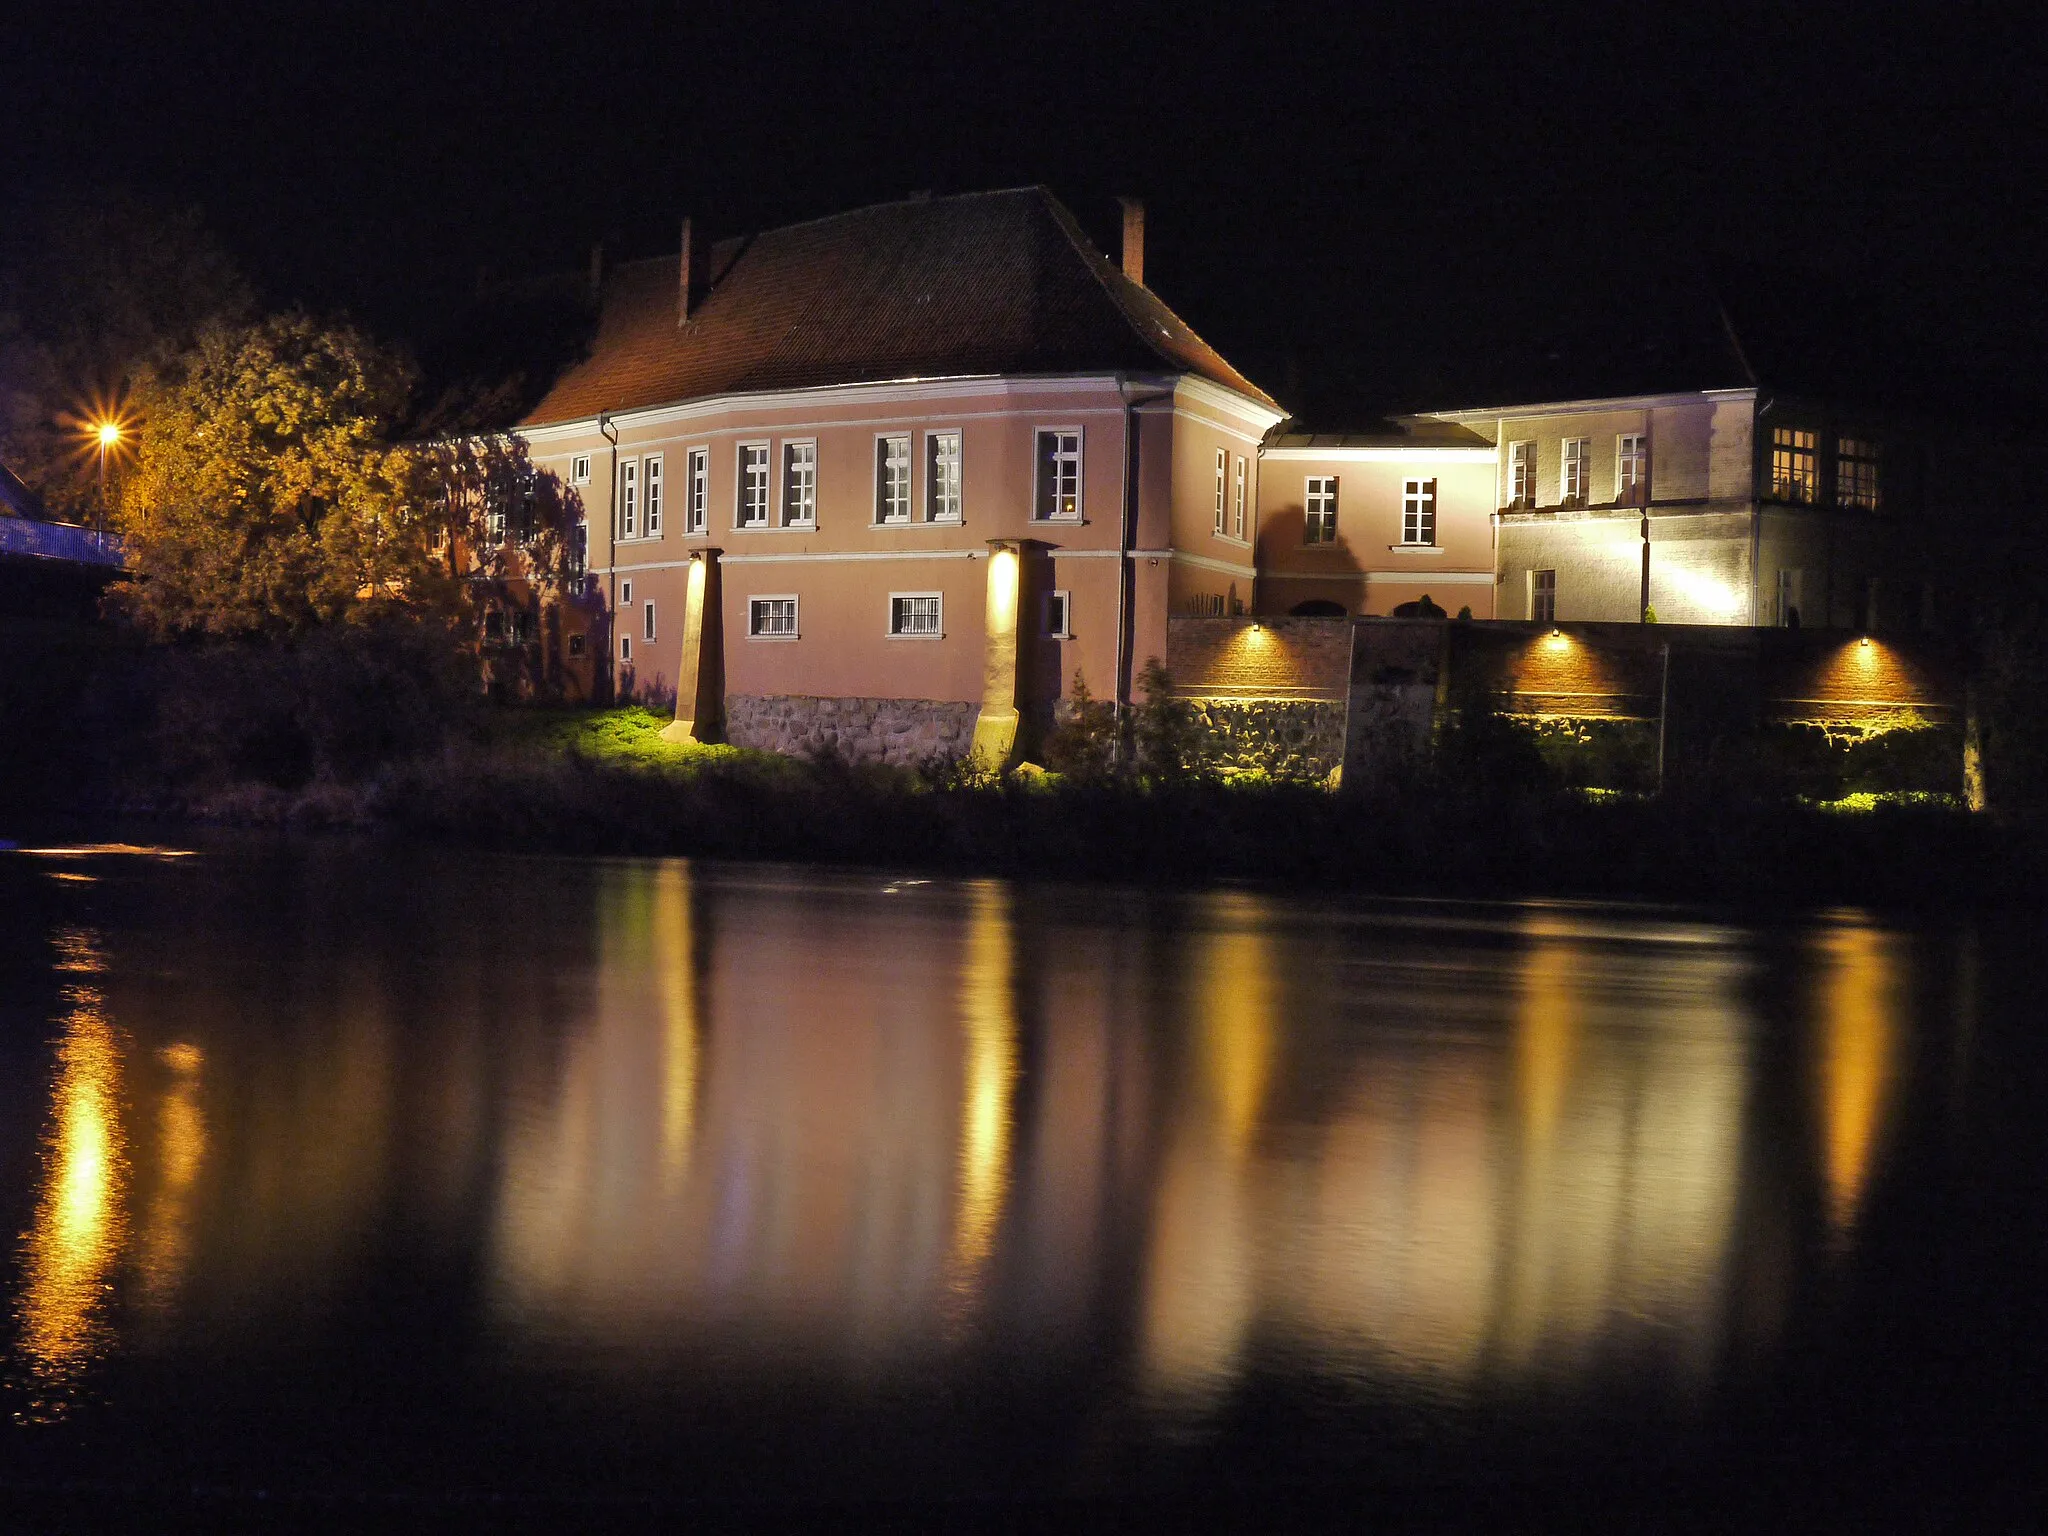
743, 1123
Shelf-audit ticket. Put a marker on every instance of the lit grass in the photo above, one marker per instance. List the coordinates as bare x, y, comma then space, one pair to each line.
628, 736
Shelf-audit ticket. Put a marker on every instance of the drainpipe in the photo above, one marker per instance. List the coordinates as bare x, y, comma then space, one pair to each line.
610, 434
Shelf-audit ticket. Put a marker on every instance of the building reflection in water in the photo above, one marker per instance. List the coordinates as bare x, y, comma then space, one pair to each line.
828, 1122
164, 1250
74, 1240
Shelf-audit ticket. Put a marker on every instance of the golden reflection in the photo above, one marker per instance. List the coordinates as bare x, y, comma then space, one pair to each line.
181, 1148
75, 1239
989, 1070
675, 977
1201, 1277
1857, 1065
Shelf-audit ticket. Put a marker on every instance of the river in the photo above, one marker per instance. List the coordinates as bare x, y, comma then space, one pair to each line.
340, 1172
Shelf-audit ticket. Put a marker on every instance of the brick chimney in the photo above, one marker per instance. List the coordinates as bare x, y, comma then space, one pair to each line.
692, 274
596, 273
1134, 239
683, 279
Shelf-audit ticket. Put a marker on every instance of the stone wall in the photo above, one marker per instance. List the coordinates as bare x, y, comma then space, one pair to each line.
1246, 658
900, 732
1287, 738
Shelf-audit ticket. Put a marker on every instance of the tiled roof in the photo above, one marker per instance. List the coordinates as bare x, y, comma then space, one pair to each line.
989, 283
1408, 433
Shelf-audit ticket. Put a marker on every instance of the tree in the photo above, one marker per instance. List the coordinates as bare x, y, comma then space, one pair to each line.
265, 496
95, 289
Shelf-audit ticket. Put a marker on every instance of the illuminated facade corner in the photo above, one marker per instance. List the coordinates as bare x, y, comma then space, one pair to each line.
995, 727
700, 673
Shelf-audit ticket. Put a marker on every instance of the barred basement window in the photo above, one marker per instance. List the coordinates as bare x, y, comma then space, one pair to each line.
799, 485
942, 498
1521, 476
892, 479
1543, 596
1795, 465
1319, 500
1059, 475
697, 506
1418, 512
918, 614
1856, 473
629, 497
753, 487
771, 618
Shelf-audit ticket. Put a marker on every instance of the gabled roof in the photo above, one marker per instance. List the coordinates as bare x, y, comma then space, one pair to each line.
984, 284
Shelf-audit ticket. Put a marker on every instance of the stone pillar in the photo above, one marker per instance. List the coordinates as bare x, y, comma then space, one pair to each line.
995, 728
700, 673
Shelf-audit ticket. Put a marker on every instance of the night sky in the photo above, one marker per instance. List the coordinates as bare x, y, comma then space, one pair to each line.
1361, 212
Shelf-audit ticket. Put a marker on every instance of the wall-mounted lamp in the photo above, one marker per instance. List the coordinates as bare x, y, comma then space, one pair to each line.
1255, 626
1864, 642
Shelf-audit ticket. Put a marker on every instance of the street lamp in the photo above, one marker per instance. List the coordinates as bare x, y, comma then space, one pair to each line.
106, 435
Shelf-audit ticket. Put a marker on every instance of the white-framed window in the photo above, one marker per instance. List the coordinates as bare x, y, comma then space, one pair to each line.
1222, 488
1795, 465
1238, 499
892, 478
943, 501
1319, 507
626, 648
1543, 596
647, 624
1574, 476
652, 492
697, 495
800, 485
1631, 467
1059, 615
494, 520
579, 548
626, 593
1522, 475
1418, 512
579, 469
629, 498
917, 615
772, 618
1058, 474
751, 502
1856, 477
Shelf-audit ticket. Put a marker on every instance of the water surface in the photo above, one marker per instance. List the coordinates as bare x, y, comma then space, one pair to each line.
341, 1171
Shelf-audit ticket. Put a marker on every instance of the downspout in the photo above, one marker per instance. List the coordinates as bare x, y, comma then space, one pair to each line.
610, 434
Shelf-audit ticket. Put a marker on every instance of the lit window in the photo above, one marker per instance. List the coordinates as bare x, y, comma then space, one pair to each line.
1576, 461
653, 494
1319, 501
629, 497
916, 613
1795, 465
1856, 473
1631, 467
1418, 512
1059, 614
771, 618
799, 485
1543, 596
892, 479
942, 477
647, 624
697, 507
1522, 475
1237, 517
579, 469
1222, 487
753, 488
1059, 475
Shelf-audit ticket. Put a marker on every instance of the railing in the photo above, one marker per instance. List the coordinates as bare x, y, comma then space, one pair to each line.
58, 541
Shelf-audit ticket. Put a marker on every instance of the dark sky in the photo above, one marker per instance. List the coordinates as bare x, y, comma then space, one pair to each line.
1356, 201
